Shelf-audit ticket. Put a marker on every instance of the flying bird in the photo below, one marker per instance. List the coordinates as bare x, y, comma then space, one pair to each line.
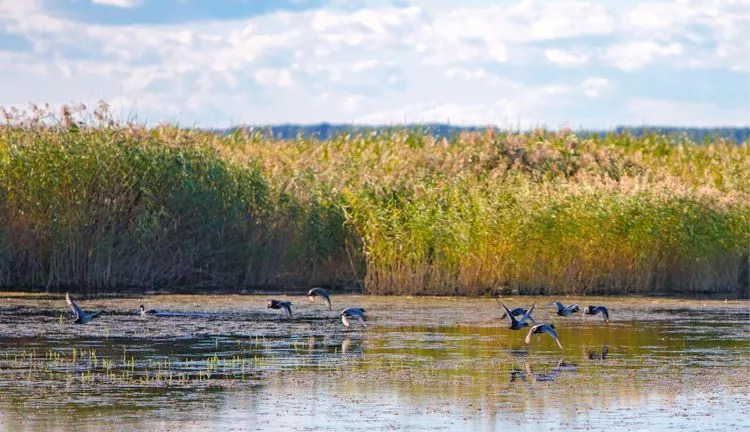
594, 310
353, 313
81, 316
320, 292
518, 324
543, 328
563, 310
517, 312
278, 304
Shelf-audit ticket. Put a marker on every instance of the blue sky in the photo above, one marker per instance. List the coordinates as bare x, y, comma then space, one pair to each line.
508, 63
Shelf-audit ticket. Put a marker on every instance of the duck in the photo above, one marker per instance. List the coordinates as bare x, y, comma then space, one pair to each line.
278, 304
595, 355
543, 328
517, 312
518, 324
593, 310
320, 292
81, 316
563, 310
144, 311
353, 313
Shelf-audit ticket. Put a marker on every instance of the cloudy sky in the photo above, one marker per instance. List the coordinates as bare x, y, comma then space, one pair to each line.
508, 63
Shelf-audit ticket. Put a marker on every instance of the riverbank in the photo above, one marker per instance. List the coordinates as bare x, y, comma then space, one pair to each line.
107, 207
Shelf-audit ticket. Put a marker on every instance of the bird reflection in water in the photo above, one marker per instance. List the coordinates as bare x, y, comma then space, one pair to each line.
528, 375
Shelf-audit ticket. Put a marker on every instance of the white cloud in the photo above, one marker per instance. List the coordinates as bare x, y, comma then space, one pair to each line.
594, 86
635, 55
275, 77
565, 58
429, 60
644, 111
118, 3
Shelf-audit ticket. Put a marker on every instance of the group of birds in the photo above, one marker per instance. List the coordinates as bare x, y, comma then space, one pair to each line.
347, 315
519, 317
562, 310
352, 313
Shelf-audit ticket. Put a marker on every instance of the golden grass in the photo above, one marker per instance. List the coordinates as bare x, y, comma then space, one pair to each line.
107, 206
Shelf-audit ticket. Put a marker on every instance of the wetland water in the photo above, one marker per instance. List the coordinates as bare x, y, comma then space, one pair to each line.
225, 363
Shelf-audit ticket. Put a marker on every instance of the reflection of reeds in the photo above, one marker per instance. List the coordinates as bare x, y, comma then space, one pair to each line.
540, 212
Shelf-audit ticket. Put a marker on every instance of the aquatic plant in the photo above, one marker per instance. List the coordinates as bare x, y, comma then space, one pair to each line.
89, 203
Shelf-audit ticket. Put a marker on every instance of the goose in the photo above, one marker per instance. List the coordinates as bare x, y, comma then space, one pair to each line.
595, 355
81, 316
593, 310
278, 304
543, 328
563, 310
144, 311
318, 291
517, 312
353, 313
518, 324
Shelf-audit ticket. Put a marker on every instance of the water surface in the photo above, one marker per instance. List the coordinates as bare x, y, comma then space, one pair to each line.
423, 363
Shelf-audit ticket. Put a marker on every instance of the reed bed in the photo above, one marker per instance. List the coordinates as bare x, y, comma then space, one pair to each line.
101, 206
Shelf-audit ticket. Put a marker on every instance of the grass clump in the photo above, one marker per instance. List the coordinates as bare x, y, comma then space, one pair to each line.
103, 206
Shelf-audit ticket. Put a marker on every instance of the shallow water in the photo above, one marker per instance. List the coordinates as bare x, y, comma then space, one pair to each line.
227, 363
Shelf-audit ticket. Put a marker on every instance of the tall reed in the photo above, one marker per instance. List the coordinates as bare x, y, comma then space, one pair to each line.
106, 206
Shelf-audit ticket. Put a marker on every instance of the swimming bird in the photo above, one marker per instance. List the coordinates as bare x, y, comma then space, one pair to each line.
81, 316
145, 312
517, 312
563, 310
352, 313
543, 328
318, 291
595, 355
518, 324
593, 310
278, 304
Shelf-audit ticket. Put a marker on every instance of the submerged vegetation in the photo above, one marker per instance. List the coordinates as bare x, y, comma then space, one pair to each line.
101, 206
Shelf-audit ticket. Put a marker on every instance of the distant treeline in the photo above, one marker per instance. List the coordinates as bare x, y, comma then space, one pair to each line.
325, 131
107, 207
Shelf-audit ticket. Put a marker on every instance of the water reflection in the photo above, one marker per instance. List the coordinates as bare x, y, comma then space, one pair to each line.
420, 364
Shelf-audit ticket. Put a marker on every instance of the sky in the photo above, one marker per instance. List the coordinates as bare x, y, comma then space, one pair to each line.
519, 64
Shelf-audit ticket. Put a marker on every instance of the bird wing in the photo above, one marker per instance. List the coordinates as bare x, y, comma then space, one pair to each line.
504, 313
513, 319
549, 330
76, 309
288, 308
328, 300
531, 332
361, 321
572, 308
527, 314
605, 312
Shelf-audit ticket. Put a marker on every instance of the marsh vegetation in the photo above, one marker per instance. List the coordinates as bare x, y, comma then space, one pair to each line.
101, 206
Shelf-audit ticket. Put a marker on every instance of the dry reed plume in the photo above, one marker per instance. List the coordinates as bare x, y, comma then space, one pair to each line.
89, 203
